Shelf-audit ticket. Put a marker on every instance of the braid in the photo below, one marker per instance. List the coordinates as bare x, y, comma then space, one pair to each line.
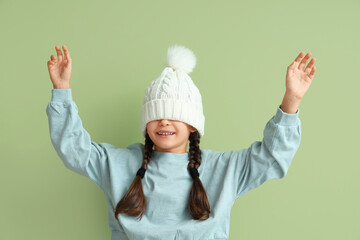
148, 150
134, 202
199, 206
194, 150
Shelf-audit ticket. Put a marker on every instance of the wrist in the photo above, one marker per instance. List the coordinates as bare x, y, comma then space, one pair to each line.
292, 96
290, 103
61, 87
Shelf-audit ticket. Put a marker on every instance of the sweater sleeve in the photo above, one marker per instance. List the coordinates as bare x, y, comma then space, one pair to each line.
71, 141
271, 157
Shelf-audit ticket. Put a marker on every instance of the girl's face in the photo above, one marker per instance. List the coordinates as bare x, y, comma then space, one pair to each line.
174, 143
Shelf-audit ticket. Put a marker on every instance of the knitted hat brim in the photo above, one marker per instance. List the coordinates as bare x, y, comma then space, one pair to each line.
173, 110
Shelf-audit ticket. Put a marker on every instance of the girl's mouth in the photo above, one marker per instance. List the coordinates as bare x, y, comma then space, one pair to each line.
165, 134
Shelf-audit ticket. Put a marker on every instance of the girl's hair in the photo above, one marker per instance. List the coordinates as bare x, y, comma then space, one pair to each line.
133, 202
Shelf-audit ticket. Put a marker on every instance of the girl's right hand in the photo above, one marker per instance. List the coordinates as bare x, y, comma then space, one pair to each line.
60, 71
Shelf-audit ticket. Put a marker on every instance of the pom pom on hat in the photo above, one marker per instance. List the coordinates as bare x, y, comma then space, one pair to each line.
180, 57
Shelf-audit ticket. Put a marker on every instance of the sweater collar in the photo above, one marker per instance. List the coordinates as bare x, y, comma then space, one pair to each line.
170, 157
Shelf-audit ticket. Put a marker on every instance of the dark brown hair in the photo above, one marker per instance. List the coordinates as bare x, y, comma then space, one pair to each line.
133, 202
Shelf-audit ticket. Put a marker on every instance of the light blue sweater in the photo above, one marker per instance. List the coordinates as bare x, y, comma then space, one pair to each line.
225, 175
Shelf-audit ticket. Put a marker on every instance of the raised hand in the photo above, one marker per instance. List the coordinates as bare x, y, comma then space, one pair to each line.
60, 70
298, 79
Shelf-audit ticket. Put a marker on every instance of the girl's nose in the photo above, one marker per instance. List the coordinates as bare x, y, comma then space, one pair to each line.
164, 122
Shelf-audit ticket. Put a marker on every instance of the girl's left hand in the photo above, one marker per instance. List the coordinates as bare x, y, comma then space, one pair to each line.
298, 79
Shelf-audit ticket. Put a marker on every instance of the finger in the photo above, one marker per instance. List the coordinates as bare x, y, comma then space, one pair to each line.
53, 58
292, 66
298, 58
59, 53
66, 53
312, 73
303, 62
309, 66
50, 63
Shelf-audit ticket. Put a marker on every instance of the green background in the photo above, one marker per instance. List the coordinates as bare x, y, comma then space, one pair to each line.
243, 49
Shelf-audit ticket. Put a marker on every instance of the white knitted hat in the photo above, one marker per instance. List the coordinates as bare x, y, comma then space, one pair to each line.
173, 95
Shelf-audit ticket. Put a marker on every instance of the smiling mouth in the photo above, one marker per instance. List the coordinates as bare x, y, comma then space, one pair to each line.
165, 134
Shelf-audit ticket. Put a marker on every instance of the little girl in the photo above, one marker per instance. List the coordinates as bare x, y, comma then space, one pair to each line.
159, 190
